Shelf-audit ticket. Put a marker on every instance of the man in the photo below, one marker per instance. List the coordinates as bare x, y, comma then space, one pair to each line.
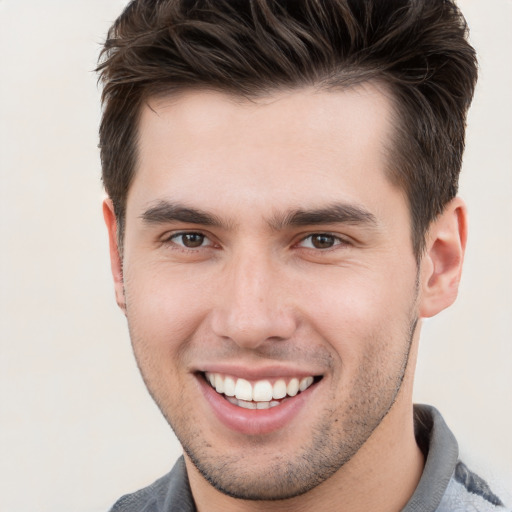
282, 214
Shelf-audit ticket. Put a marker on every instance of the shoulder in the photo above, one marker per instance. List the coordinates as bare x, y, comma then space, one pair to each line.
148, 499
171, 493
467, 491
446, 485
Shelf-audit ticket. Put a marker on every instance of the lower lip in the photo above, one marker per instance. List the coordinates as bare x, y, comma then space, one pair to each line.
254, 421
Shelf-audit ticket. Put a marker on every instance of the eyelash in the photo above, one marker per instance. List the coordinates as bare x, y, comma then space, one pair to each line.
171, 239
336, 241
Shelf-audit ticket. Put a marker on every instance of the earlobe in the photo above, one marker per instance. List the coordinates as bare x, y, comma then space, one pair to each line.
441, 265
116, 263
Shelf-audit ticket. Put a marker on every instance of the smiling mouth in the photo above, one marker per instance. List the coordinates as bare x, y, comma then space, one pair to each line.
261, 394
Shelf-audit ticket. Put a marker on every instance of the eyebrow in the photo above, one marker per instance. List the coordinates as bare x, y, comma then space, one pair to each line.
167, 212
333, 214
164, 211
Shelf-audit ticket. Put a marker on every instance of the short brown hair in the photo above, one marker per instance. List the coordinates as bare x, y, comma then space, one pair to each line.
418, 48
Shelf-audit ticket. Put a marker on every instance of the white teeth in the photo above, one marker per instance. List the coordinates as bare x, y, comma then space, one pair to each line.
219, 384
243, 390
229, 386
259, 395
293, 387
252, 405
262, 391
247, 405
279, 389
267, 405
304, 383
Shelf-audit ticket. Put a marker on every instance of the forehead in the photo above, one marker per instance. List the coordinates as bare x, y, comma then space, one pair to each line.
308, 113
286, 146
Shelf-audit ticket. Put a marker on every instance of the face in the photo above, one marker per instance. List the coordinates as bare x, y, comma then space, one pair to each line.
269, 281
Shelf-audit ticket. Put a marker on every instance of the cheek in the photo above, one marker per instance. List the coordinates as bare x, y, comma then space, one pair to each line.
354, 299
164, 308
359, 313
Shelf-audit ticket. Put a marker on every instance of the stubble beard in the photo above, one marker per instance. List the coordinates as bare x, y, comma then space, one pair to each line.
335, 438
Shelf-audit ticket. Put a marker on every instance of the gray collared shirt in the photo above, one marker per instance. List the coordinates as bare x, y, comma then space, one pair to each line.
446, 485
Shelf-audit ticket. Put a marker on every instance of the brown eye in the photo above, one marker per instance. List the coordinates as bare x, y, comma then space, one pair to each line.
322, 241
189, 240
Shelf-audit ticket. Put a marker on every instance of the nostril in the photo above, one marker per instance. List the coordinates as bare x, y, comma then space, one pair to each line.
251, 329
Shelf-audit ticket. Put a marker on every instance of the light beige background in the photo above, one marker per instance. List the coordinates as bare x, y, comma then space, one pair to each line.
77, 428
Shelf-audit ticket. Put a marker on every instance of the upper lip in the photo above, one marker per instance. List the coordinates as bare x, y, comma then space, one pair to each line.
253, 373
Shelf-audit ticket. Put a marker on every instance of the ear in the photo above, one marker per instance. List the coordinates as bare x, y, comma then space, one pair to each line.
116, 263
441, 265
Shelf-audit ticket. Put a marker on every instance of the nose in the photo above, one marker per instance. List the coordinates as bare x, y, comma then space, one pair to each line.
253, 306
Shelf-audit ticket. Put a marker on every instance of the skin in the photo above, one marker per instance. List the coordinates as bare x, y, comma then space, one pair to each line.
256, 293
